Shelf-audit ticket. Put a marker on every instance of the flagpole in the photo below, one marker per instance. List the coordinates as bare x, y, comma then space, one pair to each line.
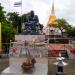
19, 4
0, 39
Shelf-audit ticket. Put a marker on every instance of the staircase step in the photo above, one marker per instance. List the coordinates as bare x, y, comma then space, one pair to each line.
55, 53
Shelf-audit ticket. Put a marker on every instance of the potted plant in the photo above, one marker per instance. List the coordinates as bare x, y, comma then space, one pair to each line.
28, 64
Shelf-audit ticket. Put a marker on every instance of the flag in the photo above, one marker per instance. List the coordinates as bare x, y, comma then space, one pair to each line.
17, 4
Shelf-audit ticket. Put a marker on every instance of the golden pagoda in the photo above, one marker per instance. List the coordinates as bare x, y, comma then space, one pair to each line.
52, 18
56, 41
52, 25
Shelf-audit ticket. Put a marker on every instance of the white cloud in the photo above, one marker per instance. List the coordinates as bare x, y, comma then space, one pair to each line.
63, 8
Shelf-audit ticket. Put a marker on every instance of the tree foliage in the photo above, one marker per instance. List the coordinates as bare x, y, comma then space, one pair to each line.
2, 16
8, 31
17, 20
63, 25
14, 18
71, 31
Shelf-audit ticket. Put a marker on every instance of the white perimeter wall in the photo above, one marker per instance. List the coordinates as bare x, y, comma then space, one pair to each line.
29, 37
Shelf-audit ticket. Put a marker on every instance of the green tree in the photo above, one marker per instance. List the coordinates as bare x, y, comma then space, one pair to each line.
2, 16
71, 32
24, 18
63, 25
8, 33
17, 20
14, 18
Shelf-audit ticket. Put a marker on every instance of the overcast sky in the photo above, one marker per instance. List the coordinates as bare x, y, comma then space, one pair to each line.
63, 9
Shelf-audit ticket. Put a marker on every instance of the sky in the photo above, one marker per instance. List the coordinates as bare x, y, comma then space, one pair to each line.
63, 9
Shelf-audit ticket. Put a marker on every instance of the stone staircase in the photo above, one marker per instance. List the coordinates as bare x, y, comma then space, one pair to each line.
55, 53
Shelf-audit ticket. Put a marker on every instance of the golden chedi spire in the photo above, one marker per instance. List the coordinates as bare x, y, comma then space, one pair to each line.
52, 17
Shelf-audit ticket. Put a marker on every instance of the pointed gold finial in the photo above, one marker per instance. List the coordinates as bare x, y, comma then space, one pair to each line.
52, 17
53, 10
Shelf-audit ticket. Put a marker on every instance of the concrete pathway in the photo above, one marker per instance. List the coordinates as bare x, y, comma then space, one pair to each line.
41, 67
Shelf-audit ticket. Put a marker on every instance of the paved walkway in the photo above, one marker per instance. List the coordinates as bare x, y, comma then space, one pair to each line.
41, 67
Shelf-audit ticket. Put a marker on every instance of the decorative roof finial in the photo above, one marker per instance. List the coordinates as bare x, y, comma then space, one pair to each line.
52, 17
53, 10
